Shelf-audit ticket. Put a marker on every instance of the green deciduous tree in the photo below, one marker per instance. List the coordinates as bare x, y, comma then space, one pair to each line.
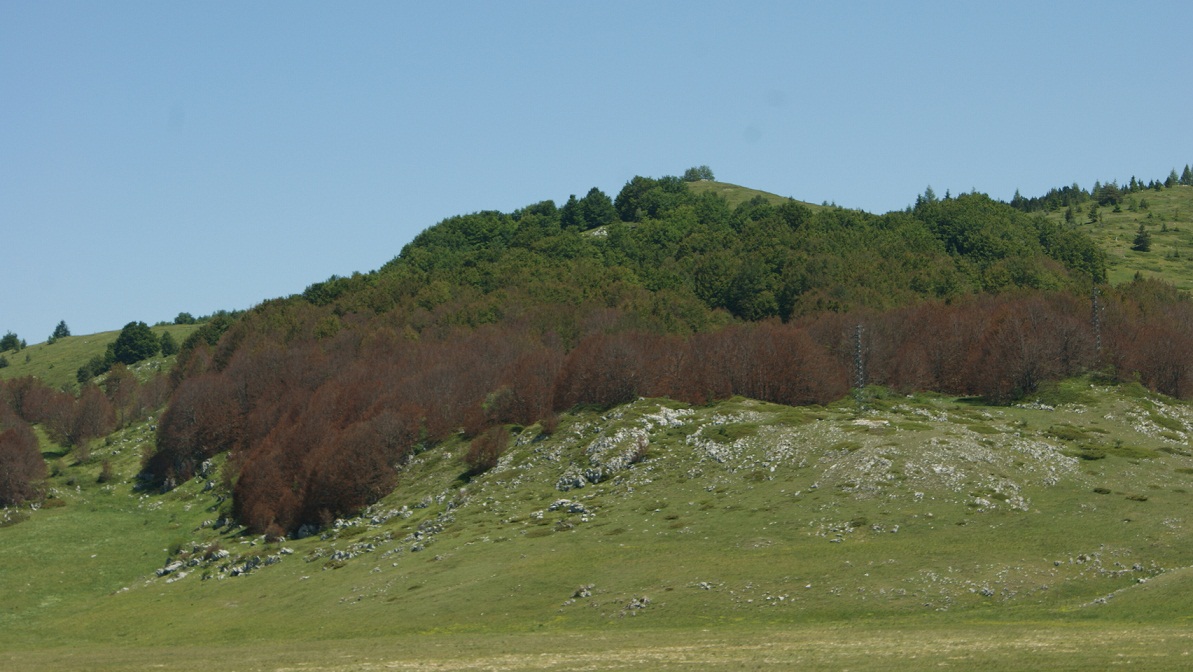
95, 366
596, 209
136, 342
697, 173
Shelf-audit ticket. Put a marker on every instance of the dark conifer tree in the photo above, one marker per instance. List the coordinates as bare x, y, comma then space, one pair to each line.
1143, 240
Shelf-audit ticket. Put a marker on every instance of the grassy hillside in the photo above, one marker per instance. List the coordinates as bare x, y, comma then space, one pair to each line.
58, 363
892, 532
1052, 532
736, 195
1169, 220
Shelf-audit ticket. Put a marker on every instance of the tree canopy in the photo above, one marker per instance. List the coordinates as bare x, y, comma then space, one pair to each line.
10, 341
135, 343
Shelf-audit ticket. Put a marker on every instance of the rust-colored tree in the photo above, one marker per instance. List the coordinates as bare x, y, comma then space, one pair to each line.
120, 386
485, 451
21, 465
203, 420
603, 370
93, 417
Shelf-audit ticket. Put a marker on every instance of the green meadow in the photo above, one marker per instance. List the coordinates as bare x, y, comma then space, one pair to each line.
58, 363
1168, 218
891, 532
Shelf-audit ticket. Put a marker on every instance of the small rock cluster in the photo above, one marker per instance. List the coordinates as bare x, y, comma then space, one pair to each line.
216, 562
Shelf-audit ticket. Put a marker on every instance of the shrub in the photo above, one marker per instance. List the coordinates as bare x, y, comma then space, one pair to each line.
550, 424
485, 450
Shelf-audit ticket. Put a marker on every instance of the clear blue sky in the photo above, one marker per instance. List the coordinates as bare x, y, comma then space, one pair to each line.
158, 157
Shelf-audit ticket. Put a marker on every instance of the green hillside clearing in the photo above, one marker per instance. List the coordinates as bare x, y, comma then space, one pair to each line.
736, 195
1169, 220
58, 363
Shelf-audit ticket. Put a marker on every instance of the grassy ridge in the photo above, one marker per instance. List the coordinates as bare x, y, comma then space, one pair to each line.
1042, 530
1169, 220
58, 363
735, 195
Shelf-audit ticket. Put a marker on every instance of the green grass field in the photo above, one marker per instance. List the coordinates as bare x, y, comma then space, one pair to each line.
736, 195
58, 363
917, 531
1169, 220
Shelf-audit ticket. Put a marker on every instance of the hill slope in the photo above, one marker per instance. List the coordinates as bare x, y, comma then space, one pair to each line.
934, 524
735, 194
925, 511
1168, 218
58, 363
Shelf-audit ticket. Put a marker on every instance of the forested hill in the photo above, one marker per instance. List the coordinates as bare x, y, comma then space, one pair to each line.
674, 256
494, 320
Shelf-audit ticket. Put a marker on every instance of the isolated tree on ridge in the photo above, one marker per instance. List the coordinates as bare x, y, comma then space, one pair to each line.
136, 342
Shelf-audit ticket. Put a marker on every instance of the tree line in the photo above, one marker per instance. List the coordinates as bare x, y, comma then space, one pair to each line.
319, 421
709, 263
1103, 194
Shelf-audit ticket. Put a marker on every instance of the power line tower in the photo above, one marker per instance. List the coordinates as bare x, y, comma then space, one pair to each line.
1095, 321
859, 363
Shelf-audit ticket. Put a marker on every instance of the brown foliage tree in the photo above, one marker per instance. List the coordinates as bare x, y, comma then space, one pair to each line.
93, 417
485, 450
21, 464
203, 420
120, 385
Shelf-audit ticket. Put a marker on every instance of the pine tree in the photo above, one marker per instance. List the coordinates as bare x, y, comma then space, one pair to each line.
169, 346
1143, 240
10, 341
